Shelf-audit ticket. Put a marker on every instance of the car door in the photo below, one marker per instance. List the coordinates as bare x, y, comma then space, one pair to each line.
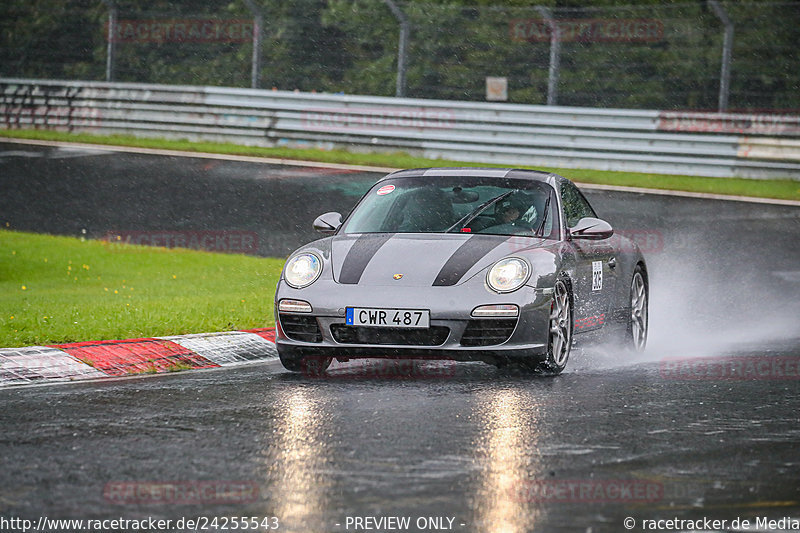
595, 276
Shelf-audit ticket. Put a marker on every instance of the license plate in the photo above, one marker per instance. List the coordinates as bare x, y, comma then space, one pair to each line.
388, 318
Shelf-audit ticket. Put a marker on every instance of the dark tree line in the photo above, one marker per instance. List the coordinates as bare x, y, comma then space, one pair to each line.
351, 46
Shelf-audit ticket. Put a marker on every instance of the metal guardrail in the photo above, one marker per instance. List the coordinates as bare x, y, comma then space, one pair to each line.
706, 144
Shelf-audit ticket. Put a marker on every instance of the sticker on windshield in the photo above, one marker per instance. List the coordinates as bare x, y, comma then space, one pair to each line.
597, 275
386, 189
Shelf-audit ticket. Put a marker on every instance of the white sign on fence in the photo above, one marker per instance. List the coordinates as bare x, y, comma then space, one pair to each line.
496, 89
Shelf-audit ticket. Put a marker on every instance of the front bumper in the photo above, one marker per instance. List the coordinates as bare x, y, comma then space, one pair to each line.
450, 308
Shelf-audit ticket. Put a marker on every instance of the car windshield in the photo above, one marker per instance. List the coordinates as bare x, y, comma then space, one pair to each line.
452, 204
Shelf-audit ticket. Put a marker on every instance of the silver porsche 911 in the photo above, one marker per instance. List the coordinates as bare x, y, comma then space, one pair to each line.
496, 265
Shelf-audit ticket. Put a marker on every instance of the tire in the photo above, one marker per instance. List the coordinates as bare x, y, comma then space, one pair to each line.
289, 362
308, 365
635, 335
559, 338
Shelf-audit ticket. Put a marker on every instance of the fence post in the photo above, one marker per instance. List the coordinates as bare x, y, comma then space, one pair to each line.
255, 62
111, 48
727, 55
555, 55
402, 47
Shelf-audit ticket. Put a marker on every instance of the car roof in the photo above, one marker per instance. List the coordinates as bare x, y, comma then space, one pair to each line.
518, 173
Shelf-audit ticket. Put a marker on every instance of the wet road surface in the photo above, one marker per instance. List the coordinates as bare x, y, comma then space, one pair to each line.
703, 425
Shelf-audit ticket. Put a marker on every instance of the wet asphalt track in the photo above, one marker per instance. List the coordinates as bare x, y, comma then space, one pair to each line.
494, 450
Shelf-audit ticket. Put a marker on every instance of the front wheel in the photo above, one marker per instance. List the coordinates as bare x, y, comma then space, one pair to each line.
636, 328
559, 342
309, 365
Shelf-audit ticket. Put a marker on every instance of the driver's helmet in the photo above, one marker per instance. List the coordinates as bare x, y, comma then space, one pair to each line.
507, 205
526, 212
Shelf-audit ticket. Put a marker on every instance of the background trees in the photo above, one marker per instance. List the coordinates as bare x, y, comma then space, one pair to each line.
351, 46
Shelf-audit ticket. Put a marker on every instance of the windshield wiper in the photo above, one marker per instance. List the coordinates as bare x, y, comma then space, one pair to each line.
540, 229
469, 217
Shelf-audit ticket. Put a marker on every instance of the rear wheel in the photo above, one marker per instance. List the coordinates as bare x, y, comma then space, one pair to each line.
559, 342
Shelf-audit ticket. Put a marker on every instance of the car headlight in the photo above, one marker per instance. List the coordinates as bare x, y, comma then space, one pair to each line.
302, 270
508, 274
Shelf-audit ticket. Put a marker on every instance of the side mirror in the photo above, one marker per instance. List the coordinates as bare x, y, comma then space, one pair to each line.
328, 223
591, 228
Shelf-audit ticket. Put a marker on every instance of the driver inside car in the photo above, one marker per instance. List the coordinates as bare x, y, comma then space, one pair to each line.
512, 212
507, 213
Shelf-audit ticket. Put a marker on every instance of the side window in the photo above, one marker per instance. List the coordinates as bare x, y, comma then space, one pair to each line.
575, 205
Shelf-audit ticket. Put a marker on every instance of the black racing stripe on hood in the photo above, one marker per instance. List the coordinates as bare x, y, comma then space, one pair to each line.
359, 256
465, 258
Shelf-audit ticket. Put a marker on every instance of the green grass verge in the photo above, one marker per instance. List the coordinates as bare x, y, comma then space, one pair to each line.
782, 189
62, 289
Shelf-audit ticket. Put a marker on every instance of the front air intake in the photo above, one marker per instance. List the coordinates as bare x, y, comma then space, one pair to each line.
488, 332
301, 328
